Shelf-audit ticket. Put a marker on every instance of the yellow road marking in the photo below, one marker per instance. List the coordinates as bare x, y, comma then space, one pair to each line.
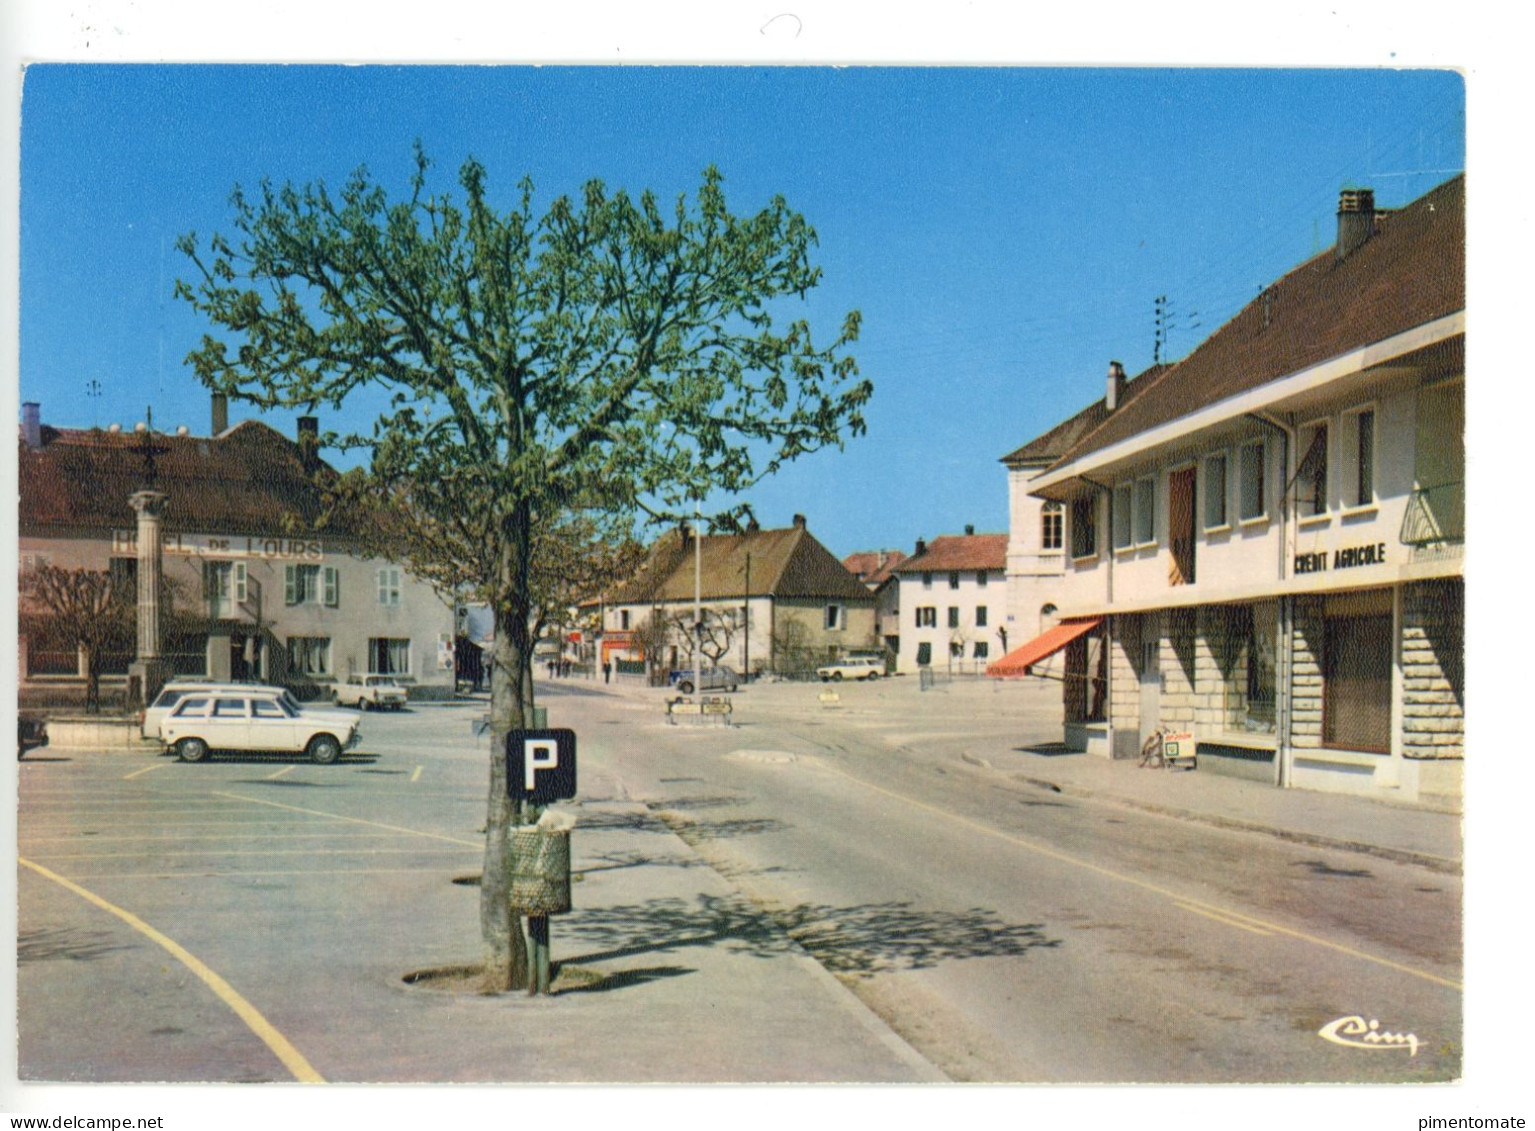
333, 834
242, 852
291, 1058
281, 772
245, 874
1144, 885
415, 777
145, 770
1222, 919
351, 820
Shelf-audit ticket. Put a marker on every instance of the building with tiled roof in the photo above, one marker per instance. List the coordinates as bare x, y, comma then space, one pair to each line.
953, 603
1261, 545
876, 569
770, 600
264, 583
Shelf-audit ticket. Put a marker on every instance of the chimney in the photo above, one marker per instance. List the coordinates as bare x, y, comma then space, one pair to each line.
1116, 386
799, 522
969, 530
32, 425
1356, 221
220, 414
921, 548
309, 441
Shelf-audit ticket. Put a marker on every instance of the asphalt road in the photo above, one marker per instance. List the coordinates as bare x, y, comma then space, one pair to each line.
1011, 933
1005, 932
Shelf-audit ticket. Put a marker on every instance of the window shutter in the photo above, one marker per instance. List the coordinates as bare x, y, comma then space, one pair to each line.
242, 592
290, 584
332, 586
383, 587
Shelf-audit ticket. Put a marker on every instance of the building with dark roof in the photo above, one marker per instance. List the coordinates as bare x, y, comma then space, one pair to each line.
770, 600
1261, 545
264, 582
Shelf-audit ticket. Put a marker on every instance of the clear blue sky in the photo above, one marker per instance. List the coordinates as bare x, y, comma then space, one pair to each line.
1003, 231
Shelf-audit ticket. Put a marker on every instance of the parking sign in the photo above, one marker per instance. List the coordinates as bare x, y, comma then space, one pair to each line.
541, 765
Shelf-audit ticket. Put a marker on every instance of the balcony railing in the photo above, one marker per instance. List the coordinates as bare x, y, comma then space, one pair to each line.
1435, 515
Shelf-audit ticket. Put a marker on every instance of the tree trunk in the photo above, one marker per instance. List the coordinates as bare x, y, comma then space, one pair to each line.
511, 696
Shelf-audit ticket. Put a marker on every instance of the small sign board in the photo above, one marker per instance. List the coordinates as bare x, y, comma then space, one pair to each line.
715, 707
541, 765
1177, 744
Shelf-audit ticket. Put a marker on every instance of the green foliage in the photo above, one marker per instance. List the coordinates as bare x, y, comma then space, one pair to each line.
603, 345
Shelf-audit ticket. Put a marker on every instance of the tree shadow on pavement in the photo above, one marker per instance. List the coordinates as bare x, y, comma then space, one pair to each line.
858, 941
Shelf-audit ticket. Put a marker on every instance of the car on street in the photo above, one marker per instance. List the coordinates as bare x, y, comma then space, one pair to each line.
687, 681
175, 690
369, 693
853, 667
250, 720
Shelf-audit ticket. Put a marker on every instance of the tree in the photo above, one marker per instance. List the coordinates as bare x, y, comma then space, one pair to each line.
712, 634
88, 609
527, 363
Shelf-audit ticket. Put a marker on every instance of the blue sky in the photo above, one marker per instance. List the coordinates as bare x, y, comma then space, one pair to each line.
1004, 231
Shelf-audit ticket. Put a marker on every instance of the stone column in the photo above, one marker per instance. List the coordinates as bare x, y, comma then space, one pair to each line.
148, 670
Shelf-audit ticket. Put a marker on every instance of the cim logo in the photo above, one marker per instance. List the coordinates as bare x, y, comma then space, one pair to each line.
541, 765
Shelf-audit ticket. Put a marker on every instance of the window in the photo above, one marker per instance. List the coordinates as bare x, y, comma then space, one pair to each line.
124, 574
835, 620
1145, 510
1359, 458
957, 649
225, 587
927, 579
924, 654
623, 620
1311, 476
1084, 526
1252, 633
267, 709
953, 579
1215, 491
927, 616
311, 585
982, 649
1051, 520
982, 578
1252, 503
388, 656
389, 586
229, 709
953, 617
309, 655
980, 616
1124, 508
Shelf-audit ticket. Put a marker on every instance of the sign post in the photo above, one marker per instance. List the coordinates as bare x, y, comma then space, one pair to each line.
540, 768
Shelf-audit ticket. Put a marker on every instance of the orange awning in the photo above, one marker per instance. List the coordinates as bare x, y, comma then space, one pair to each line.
1019, 660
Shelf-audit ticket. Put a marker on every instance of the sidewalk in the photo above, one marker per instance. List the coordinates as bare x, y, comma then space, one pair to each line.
1327, 820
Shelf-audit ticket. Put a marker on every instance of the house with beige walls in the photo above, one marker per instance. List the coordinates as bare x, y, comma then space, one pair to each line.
1263, 544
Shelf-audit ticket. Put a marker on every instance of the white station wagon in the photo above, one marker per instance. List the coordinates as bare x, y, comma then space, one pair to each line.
854, 667
255, 721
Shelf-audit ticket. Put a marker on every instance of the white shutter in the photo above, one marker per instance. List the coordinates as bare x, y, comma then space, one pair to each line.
332, 586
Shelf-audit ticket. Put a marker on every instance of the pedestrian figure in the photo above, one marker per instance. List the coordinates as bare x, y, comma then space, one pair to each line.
607, 671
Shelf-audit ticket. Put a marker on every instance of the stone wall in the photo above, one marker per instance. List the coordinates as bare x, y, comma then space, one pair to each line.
1433, 669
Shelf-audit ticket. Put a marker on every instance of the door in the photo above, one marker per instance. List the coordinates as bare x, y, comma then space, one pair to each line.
1180, 526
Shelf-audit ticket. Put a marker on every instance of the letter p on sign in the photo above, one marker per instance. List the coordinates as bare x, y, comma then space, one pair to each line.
541, 765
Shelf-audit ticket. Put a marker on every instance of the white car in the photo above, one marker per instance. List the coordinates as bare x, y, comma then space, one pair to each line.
255, 720
855, 667
175, 690
370, 692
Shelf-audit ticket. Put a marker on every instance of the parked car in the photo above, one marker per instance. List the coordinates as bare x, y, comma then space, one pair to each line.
369, 693
30, 732
255, 720
174, 691
722, 678
854, 667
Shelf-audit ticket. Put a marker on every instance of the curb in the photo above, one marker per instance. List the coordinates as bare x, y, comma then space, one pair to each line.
1315, 840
